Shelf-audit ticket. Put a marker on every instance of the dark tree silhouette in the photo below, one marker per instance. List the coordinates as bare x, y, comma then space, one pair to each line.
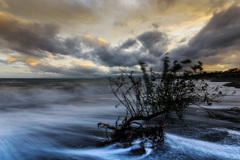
150, 96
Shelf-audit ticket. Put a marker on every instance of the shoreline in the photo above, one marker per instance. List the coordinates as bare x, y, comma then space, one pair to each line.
232, 84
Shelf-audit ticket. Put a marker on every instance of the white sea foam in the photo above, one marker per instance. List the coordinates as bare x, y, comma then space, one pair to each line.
203, 148
232, 132
107, 153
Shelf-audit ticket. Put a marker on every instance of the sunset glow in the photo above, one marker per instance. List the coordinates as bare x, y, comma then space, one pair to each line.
115, 34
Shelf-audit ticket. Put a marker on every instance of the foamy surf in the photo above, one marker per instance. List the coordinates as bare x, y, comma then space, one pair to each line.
199, 148
111, 152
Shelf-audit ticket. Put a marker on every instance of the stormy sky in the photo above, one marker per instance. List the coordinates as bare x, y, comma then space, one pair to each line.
94, 38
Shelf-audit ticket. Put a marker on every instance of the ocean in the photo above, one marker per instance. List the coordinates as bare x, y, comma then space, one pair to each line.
57, 119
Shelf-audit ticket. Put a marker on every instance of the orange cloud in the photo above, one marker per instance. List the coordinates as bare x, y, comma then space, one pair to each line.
102, 41
89, 40
86, 36
11, 59
84, 63
31, 62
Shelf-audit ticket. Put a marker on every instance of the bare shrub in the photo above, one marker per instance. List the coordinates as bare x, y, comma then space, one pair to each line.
150, 96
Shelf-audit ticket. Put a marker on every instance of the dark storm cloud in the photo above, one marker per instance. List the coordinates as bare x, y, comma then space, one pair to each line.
113, 57
39, 40
34, 39
155, 42
222, 30
128, 43
151, 46
220, 35
149, 39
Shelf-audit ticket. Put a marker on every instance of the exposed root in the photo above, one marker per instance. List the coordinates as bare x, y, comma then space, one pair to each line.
101, 124
147, 134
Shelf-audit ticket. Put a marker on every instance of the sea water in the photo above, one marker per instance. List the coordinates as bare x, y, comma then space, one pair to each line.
57, 119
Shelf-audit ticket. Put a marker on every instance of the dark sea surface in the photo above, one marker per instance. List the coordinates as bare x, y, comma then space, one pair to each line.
57, 119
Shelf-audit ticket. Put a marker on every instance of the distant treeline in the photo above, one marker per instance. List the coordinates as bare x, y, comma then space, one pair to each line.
230, 75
